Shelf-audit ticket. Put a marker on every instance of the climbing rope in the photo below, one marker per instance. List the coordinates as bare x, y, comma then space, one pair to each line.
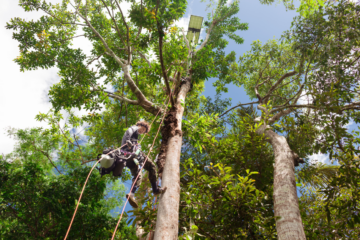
155, 201
132, 186
83, 189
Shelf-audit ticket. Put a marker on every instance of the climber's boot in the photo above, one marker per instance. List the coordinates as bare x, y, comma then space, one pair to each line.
159, 190
156, 189
132, 200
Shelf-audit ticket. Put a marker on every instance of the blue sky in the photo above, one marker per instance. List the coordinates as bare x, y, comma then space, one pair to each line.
266, 22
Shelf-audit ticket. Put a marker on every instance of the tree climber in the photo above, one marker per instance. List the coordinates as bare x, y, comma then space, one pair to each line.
135, 158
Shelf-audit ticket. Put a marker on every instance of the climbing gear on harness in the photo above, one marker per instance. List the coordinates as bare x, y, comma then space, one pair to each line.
107, 161
129, 143
132, 200
137, 151
110, 160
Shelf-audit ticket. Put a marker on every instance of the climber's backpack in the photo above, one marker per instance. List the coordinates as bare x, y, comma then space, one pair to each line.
108, 160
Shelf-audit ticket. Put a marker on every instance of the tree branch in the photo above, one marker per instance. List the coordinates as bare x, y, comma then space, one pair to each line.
132, 102
213, 23
286, 75
185, 39
116, 26
277, 116
47, 156
162, 64
144, 57
109, 51
127, 30
236, 107
82, 157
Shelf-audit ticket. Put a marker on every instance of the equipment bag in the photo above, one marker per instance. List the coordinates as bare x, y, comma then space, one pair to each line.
107, 162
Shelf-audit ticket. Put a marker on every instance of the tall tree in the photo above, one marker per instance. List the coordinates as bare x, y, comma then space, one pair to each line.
120, 56
313, 75
232, 171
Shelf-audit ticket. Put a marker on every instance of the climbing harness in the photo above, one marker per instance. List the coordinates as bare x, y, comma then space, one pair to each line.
132, 186
109, 162
83, 189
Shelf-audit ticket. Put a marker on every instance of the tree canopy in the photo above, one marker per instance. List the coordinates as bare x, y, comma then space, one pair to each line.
231, 173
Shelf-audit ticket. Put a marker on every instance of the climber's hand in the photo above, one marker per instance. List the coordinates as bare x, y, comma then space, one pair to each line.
128, 143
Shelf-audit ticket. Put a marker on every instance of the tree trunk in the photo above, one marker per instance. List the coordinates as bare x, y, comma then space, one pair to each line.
169, 168
289, 226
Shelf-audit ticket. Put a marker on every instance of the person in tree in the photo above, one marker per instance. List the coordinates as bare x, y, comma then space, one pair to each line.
130, 147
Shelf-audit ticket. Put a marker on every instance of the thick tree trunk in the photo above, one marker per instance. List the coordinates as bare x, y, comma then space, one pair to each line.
289, 225
169, 158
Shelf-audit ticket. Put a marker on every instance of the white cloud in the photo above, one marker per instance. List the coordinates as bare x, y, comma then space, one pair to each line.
347, 126
319, 157
24, 94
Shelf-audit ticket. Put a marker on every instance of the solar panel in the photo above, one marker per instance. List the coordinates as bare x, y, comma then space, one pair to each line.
195, 24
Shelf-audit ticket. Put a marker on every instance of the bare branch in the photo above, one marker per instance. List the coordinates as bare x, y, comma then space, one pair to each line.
263, 109
144, 57
208, 32
350, 106
124, 99
72, 38
185, 39
277, 116
236, 107
92, 160
286, 75
258, 95
47, 156
162, 64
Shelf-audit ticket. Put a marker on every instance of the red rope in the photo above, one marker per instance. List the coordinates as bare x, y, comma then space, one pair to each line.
154, 210
132, 186
82, 191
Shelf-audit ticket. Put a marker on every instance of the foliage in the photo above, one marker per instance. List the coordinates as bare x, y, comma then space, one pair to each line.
219, 198
120, 82
332, 211
316, 175
218, 203
35, 205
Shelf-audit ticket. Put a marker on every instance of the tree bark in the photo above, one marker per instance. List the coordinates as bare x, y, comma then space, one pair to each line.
286, 206
168, 208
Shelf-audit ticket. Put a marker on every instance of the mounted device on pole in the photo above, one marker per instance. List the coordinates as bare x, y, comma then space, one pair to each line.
194, 29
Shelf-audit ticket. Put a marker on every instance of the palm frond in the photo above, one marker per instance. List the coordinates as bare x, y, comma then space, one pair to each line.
317, 175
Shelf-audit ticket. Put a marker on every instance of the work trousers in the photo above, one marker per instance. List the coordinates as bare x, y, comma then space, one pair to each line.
135, 170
